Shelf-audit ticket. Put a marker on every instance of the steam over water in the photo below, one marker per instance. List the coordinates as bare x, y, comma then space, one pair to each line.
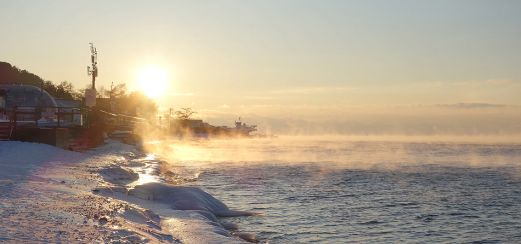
340, 190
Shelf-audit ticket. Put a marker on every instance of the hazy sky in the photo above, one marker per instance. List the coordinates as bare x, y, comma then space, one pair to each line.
230, 54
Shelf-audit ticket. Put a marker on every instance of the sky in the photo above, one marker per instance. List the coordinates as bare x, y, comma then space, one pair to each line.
298, 60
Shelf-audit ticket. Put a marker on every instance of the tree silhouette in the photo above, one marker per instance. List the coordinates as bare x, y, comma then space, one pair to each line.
118, 91
12, 75
184, 113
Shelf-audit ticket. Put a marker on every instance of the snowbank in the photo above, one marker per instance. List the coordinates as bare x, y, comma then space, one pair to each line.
18, 159
46, 194
184, 198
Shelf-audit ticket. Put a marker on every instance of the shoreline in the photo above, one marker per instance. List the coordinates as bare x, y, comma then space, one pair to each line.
111, 193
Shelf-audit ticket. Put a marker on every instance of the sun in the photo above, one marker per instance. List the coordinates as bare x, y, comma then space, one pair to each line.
152, 81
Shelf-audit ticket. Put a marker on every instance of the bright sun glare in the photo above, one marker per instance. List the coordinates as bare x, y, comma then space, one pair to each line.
152, 81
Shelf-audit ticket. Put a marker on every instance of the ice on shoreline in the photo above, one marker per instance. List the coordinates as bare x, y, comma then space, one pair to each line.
54, 188
184, 198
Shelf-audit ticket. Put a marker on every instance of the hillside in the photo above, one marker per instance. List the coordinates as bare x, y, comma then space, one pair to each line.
11, 74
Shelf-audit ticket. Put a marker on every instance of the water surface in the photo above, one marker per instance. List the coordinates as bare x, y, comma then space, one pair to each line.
335, 191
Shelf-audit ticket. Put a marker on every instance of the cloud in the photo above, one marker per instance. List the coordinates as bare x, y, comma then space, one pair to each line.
453, 83
181, 94
313, 90
499, 82
471, 105
258, 97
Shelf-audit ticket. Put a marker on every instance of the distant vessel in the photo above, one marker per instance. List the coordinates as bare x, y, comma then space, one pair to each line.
198, 128
243, 128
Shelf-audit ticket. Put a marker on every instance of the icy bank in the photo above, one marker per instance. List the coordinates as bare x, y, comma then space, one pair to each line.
188, 226
184, 198
188, 213
51, 195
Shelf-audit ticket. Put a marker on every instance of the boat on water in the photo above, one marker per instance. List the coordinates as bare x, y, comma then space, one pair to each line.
243, 129
201, 129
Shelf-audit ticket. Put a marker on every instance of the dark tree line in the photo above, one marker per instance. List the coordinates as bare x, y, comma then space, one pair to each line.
13, 75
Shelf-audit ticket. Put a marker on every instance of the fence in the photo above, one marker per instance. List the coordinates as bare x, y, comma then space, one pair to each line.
65, 117
58, 117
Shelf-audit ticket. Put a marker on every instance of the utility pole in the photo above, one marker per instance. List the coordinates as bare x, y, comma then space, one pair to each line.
111, 90
90, 94
93, 70
111, 98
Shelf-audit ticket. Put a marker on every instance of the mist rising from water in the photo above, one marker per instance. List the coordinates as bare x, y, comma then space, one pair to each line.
438, 119
351, 152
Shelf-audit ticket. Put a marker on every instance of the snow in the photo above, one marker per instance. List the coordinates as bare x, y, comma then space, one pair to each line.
184, 198
52, 195
17, 159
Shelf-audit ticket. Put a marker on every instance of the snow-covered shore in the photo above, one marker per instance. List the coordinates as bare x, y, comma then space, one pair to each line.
108, 194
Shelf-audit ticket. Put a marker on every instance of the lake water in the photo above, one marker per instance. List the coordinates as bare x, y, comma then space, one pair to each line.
343, 190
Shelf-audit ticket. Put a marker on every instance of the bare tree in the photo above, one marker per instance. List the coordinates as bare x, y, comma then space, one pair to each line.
117, 91
185, 113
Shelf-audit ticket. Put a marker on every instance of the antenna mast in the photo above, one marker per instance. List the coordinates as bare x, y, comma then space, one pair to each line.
93, 70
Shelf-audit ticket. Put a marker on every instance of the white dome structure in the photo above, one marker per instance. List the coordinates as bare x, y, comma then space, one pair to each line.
33, 106
27, 96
